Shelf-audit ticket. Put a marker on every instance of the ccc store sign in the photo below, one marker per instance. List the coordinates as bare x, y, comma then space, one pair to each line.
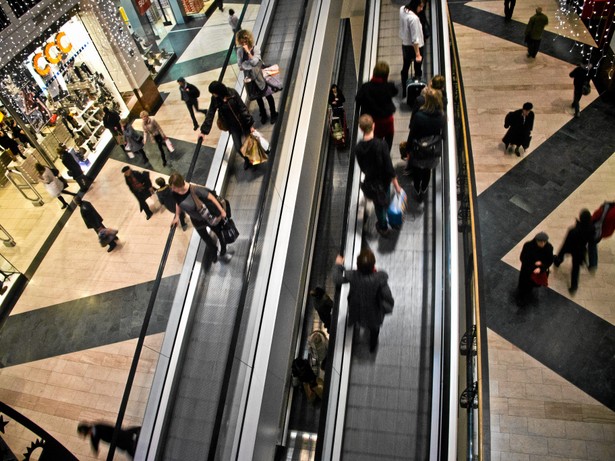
52, 53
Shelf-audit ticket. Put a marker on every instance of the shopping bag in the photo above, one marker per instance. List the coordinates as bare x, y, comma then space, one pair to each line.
229, 231
274, 82
274, 69
253, 151
169, 144
395, 212
262, 141
153, 203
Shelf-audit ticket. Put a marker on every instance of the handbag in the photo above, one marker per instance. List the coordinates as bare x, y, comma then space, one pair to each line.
203, 211
221, 125
426, 151
169, 144
253, 151
153, 203
274, 83
586, 88
271, 70
376, 192
541, 279
229, 231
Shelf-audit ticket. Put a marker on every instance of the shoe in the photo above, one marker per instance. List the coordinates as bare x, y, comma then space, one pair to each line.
572, 290
557, 261
148, 216
196, 127
64, 205
184, 227
164, 163
517, 153
274, 118
204, 111
112, 246
3, 290
246, 164
222, 252
577, 114
264, 119
383, 232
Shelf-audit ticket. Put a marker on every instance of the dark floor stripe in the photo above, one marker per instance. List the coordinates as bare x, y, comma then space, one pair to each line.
85, 323
568, 339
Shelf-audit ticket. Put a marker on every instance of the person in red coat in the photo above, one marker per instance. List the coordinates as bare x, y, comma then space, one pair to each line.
604, 222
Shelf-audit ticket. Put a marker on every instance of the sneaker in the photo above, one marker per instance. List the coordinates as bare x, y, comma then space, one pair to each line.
521, 150
509, 149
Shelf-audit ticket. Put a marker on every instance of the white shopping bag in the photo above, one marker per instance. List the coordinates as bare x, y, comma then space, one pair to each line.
262, 141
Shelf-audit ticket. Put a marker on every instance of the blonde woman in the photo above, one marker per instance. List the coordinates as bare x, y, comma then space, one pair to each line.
250, 62
153, 129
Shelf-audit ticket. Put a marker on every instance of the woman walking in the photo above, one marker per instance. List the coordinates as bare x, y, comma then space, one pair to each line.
54, 185
134, 141
249, 60
233, 116
369, 297
152, 128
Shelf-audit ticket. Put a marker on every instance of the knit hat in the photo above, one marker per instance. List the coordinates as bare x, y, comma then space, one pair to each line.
542, 237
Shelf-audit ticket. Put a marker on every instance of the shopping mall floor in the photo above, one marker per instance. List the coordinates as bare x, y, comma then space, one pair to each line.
550, 364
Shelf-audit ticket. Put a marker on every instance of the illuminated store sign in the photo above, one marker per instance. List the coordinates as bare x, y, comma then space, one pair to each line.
52, 53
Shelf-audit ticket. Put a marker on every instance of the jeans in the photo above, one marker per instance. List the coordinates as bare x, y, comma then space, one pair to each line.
381, 212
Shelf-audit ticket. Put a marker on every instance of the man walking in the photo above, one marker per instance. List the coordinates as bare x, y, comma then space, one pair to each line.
533, 32
580, 78
73, 167
520, 124
141, 186
509, 7
375, 162
190, 95
412, 40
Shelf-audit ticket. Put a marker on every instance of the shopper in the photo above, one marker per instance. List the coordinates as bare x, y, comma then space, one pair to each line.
373, 157
165, 197
190, 95
204, 211
575, 244
533, 32
141, 186
232, 113
520, 124
369, 296
376, 99
126, 439
134, 141
153, 129
250, 62
54, 185
233, 20
603, 220
19, 134
536, 258
73, 168
438, 84
580, 81
509, 7
412, 40
10, 145
426, 129
94, 221
112, 122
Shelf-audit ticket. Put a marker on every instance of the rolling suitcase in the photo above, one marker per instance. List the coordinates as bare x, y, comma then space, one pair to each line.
413, 89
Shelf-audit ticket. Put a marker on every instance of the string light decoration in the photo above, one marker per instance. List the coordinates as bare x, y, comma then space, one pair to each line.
573, 15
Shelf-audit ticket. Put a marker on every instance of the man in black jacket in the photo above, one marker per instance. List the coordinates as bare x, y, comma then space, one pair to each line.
141, 186
73, 167
520, 124
190, 95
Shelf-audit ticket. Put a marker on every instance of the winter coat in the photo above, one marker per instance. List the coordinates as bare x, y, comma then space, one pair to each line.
90, 216
134, 140
365, 295
72, 165
53, 184
233, 112
376, 98
519, 130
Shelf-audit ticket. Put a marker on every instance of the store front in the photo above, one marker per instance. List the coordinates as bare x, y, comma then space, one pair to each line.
54, 93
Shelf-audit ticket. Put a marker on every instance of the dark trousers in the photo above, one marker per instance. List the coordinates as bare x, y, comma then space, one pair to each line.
577, 260
509, 7
373, 338
409, 57
576, 98
84, 182
592, 254
261, 106
141, 152
141, 197
381, 212
160, 142
532, 47
420, 178
237, 136
193, 105
201, 228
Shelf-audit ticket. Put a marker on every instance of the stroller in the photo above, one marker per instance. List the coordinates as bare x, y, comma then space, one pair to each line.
338, 127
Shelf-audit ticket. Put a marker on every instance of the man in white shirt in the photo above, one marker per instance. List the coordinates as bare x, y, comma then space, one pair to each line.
412, 41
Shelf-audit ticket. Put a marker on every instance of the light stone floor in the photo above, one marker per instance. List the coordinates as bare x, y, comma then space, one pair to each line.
535, 414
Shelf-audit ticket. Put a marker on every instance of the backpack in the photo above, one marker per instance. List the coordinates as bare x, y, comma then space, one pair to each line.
606, 206
426, 151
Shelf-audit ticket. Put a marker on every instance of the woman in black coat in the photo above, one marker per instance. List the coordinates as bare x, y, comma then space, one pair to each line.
428, 121
232, 112
376, 99
575, 244
369, 297
536, 257
520, 124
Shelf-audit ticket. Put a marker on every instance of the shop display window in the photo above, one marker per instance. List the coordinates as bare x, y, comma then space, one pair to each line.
58, 92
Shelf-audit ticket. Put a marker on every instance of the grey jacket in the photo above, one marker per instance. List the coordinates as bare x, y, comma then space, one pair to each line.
252, 68
366, 295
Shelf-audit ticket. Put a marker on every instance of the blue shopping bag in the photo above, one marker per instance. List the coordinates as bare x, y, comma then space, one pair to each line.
395, 212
